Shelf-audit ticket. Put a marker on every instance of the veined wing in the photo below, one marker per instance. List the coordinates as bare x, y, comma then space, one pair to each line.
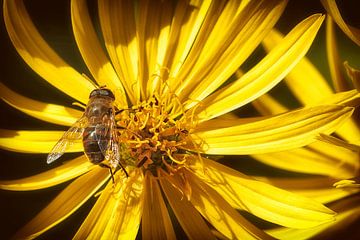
72, 135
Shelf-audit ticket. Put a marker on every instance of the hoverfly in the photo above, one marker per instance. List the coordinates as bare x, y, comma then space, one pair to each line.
97, 130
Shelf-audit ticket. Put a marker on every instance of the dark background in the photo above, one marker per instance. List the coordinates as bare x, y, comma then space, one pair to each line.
53, 21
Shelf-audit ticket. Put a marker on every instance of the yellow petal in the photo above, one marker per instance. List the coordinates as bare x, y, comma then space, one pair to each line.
352, 32
187, 34
65, 172
122, 43
316, 188
282, 132
188, 217
39, 56
229, 44
324, 159
346, 216
121, 217
156, 223
92, 52
153, 29
354, 74
219, 213
33, 141
336, 68
117, 213
44, 111
261, 199
67, 202
267, 105
265, 74
304, 80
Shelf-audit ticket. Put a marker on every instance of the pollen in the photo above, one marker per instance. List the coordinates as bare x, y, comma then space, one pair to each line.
151, 137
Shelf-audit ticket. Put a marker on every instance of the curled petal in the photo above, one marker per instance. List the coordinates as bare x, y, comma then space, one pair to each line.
352, 32
65, 172
92, 52
67, 202
39, 56
44, 111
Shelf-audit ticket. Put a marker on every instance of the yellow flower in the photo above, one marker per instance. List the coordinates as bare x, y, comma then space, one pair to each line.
168, 68
334, 160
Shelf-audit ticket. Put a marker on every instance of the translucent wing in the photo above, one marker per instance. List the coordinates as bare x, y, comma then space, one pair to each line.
72, 135
106, 138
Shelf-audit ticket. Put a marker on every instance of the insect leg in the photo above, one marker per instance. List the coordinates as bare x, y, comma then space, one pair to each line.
111, 172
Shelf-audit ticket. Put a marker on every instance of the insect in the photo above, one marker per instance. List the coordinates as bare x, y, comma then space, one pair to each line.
97, 130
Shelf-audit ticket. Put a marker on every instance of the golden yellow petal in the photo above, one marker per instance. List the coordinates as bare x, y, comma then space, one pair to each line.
188, 217
334, 61
324, 159
65, 172
233, 38
156, 223
352, 32
265, 74
153, 29
217, 211
122, 43
316, 188
33, 141
187, 33
304, 80
345, 217
117, 213
67, 202
281, 132
92, 52
120, 219
39, 56
44, 111
261, 199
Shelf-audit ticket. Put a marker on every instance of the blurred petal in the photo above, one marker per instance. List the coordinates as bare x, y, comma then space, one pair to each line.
44, 111
92, 52
282, 132
267, 105
352, 32
122, 43
117, 213
354, 74
261, 199
217, 211
39, 56
55, 176
156, 223
188, 217
67, 202
265, 74
334, 61
33, 141
325, 159
228, 45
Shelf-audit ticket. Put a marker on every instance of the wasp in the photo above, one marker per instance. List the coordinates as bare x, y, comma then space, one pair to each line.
97, 130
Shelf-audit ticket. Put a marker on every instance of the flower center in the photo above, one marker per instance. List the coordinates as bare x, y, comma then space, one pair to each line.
150, 138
